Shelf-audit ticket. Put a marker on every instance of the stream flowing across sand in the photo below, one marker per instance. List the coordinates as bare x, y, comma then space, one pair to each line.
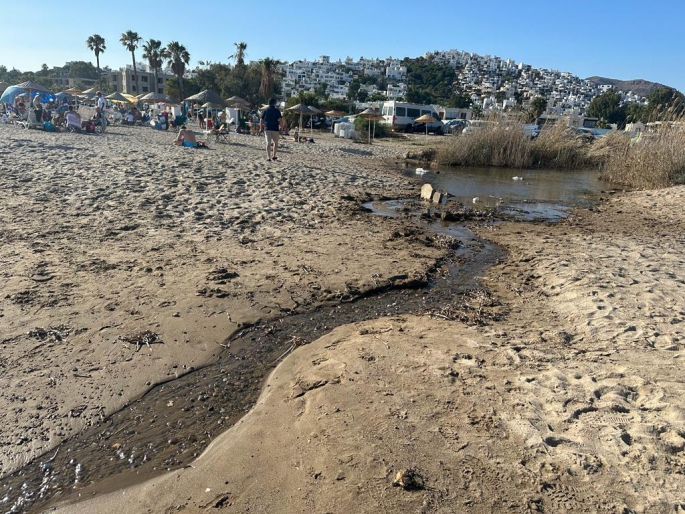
147, 437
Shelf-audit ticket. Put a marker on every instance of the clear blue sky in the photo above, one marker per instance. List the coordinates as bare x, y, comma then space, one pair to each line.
619, 39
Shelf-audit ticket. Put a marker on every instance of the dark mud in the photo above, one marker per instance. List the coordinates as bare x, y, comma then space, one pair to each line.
174, 422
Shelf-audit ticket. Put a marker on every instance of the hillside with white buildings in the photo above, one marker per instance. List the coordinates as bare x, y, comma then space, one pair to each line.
491, 83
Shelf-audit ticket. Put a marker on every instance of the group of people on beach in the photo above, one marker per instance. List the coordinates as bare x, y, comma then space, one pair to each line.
270, 123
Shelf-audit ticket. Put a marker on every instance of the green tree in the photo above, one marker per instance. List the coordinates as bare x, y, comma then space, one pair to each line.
665, 102
178, 57
459, 101
130, 40
96, 43
320, 90
377, 97
429, 82
155, 56
270, 70
636, 112
538, 106
353, 89
607, 107
239, 54
362, 95
82, 70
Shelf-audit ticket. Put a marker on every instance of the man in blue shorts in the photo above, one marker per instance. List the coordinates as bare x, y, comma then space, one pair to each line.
271, 118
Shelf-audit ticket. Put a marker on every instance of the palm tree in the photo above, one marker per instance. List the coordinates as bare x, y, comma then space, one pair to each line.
130, 40
155, 55
269, 72
178, 58
239, 54
96, 43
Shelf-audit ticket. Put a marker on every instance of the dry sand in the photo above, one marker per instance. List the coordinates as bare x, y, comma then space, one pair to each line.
568, 400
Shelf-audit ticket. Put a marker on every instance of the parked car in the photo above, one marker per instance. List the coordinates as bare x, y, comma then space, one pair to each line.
454, 126
474, 126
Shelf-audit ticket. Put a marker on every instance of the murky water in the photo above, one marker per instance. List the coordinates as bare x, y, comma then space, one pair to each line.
529, 194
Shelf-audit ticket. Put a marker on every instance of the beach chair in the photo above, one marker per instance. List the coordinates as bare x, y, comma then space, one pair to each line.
221, 135
32, 122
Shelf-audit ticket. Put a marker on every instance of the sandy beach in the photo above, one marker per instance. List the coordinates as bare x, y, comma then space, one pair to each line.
559, 392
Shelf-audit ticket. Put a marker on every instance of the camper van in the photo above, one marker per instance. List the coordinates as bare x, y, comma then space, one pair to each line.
400, 116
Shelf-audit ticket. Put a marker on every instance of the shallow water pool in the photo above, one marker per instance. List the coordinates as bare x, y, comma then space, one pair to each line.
533, 194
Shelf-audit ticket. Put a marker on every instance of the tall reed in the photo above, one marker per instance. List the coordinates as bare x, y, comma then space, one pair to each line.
652, 159
504, 144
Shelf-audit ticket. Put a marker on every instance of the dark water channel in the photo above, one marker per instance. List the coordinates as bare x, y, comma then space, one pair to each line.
174, 422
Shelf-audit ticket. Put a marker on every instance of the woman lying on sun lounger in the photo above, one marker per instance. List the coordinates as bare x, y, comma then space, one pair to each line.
187, 138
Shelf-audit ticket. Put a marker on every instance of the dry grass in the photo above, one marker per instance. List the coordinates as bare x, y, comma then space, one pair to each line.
504, 144
652, 160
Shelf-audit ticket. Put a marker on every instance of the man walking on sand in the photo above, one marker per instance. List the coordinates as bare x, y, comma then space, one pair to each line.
270, 124
100, 106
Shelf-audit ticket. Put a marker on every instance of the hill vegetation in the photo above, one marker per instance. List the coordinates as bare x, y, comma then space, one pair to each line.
638, 86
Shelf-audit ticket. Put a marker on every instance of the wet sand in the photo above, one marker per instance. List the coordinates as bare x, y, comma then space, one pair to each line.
556, 388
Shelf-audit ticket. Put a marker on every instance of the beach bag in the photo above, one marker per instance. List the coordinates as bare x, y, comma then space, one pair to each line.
90, 127
49, 127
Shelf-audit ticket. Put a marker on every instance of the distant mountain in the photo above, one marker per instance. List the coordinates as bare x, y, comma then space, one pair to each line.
638, 86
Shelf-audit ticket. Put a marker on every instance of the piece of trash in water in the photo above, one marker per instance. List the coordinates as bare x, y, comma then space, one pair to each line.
476, 200
516, 178
421, 171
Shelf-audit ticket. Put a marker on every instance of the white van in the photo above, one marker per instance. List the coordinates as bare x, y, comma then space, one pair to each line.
400, 116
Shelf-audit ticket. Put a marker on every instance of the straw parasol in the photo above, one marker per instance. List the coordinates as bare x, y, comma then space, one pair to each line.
117, 97
207, 96
371, 115
156, 98
426, 118
334, 114
236, 100
302, 109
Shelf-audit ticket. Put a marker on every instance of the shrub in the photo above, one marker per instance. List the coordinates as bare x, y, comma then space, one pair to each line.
362, 126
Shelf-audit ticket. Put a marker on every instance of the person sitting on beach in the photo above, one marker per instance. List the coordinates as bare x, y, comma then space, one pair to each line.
73, 119
186, 138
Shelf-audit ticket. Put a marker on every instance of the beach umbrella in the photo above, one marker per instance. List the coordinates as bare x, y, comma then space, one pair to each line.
207, 96
426, 118
73, 91
236, 100
29, 87
371, 115
302, 109
131, 98
117, 97
314, 111
334, 114
33, 86
90, 91
10, 94
155, 98
63, 96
